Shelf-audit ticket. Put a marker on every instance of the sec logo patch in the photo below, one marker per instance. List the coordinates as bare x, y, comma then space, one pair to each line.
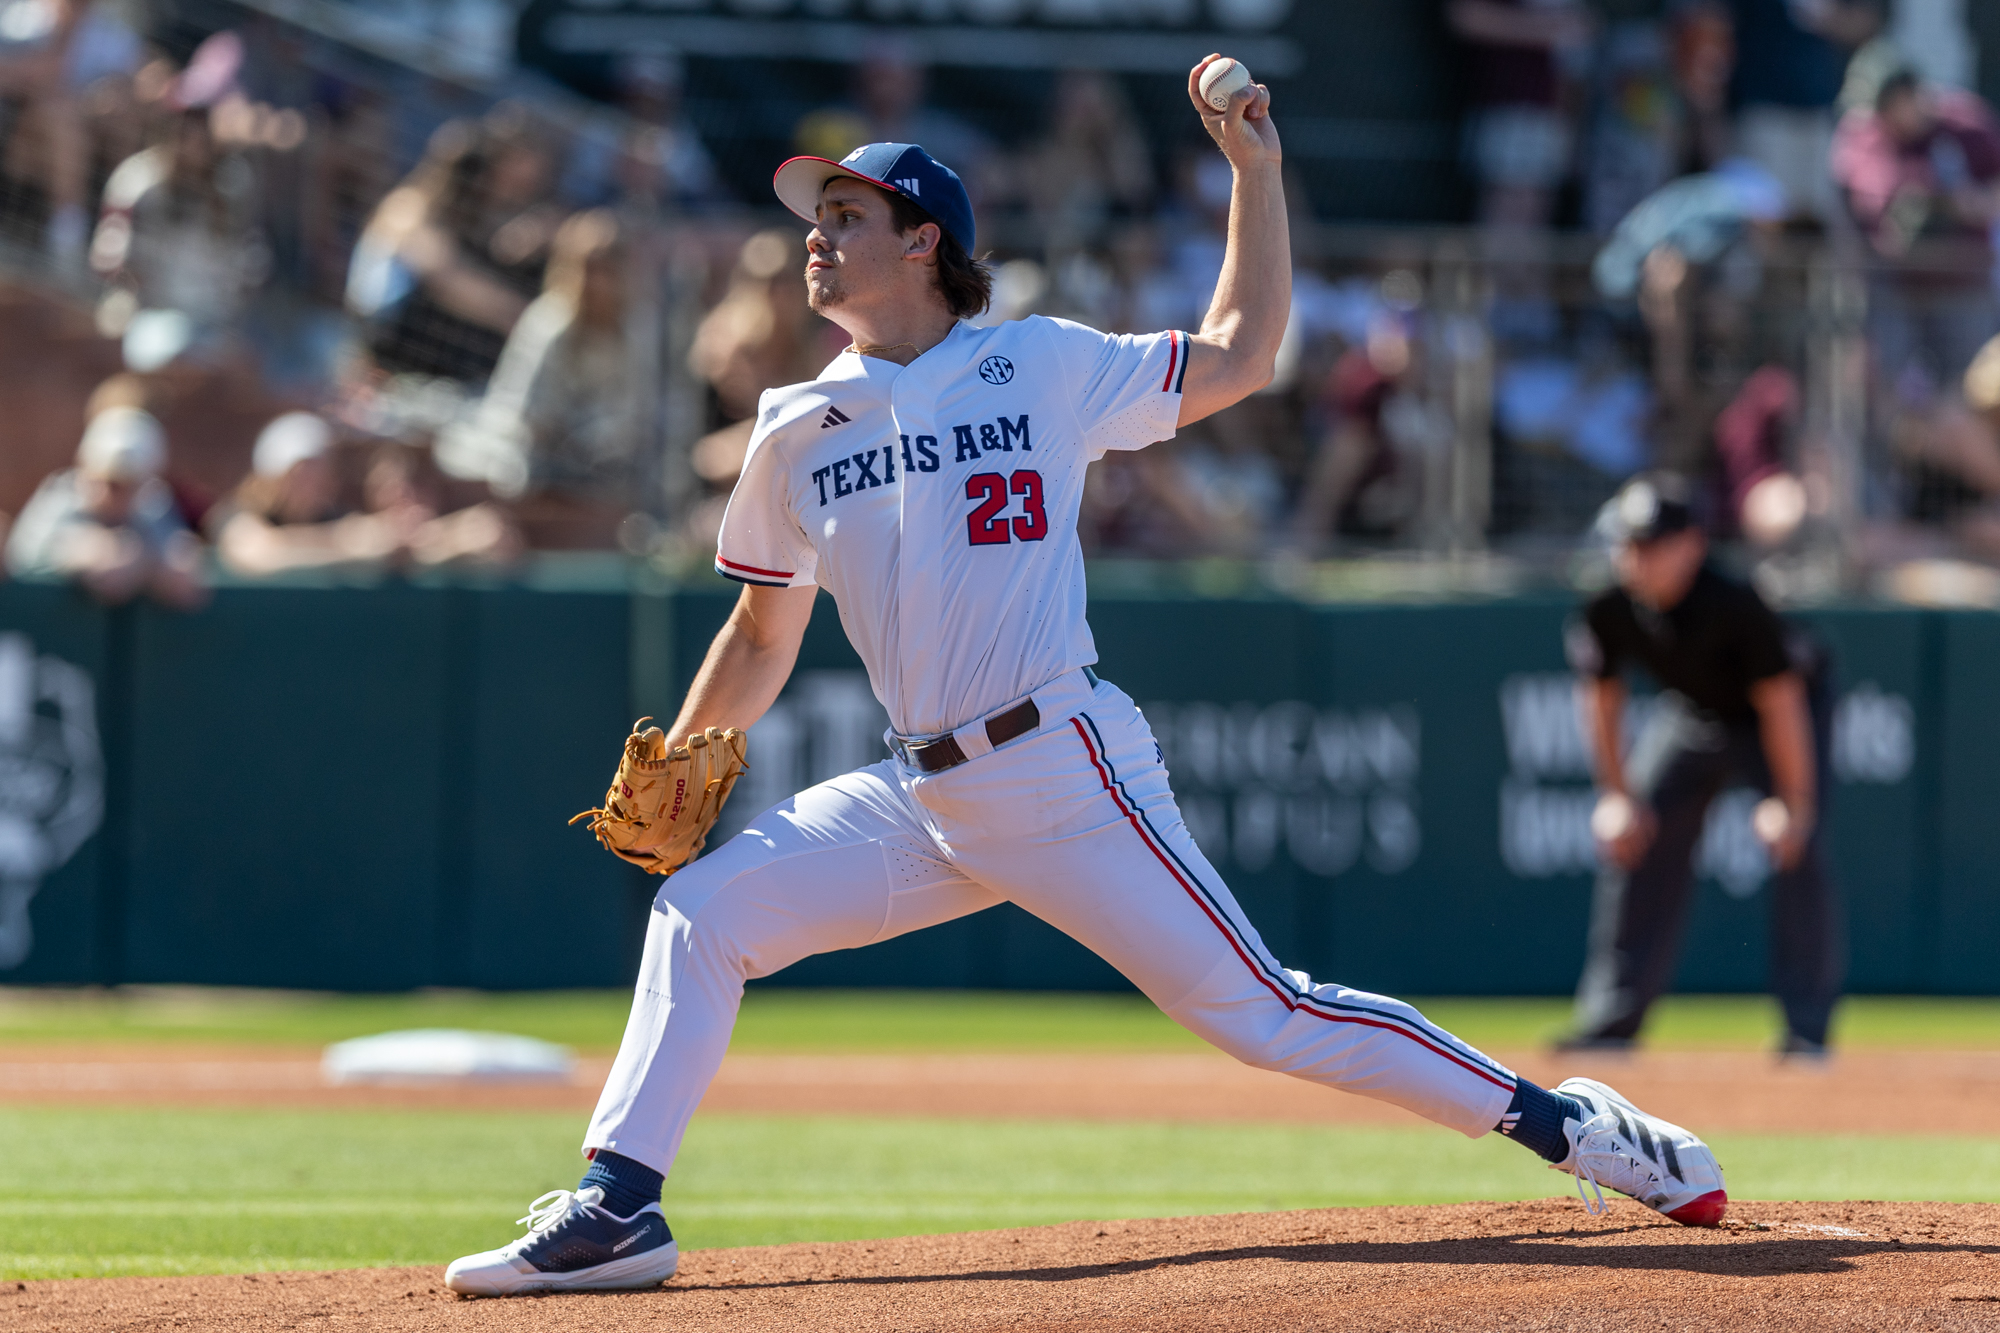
996, 370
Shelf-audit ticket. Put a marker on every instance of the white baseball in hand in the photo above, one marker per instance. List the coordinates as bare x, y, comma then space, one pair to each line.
1771, 821
1221, 80
1613, 818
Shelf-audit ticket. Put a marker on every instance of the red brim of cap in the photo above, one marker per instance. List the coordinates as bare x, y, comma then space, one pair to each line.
797, 183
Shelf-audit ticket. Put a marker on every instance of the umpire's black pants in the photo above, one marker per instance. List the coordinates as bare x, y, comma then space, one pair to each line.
1679, 764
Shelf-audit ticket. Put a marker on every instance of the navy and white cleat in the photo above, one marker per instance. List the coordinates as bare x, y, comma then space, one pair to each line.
1619, 1147
573, 1244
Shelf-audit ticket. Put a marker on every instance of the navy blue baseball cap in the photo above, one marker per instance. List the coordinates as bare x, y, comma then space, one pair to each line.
900, 168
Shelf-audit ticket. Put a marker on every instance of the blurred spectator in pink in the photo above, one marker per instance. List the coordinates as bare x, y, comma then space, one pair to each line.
888, 106
1519, 141
452, 256
110, 523
1921, 173
65, 67
1791, 56
290, 514
1922, 163
1920, 168
1753, 445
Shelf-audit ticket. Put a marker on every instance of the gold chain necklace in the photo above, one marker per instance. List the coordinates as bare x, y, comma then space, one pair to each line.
876, 349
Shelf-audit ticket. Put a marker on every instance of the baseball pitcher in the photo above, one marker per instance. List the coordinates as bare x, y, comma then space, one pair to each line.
929, 480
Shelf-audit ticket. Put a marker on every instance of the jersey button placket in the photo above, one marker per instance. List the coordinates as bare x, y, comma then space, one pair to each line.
919, 609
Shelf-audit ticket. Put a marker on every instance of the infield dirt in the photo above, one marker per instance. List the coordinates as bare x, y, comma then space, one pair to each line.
1516, 1266
1857, 1092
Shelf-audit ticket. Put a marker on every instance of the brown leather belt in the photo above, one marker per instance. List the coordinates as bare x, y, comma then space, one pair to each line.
945, 752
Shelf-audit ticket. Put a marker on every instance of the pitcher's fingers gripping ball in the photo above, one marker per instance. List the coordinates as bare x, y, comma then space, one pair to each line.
662, 803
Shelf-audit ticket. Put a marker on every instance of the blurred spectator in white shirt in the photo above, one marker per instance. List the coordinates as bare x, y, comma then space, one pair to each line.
178, 222
110, 523
563, 426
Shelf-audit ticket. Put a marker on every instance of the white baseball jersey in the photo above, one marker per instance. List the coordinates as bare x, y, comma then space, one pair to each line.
938, 501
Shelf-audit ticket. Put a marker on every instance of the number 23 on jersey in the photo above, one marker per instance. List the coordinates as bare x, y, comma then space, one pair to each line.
985, 526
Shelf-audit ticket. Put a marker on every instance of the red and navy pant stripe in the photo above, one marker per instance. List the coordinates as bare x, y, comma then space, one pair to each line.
1274, 978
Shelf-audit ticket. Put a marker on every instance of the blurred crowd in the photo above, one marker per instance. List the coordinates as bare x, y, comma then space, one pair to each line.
1794, 205
467, 328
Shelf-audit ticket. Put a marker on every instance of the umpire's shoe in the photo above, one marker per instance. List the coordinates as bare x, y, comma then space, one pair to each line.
573, 1244
1620, 1147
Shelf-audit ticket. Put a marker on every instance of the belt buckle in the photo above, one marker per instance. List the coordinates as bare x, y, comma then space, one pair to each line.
914, 752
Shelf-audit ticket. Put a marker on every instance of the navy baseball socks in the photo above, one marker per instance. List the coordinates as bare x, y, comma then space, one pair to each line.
606, 1235
1590, 1131
1534, 1119
628, 1185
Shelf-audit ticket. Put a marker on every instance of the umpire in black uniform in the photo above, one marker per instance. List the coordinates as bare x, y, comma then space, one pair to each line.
1743, 702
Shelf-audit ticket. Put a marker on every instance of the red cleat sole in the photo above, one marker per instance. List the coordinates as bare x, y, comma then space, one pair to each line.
1707, 1211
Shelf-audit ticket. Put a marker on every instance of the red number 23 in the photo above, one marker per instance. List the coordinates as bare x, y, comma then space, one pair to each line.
984, 526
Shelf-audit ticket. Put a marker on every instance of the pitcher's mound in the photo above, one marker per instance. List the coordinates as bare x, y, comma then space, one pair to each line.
1544, 1265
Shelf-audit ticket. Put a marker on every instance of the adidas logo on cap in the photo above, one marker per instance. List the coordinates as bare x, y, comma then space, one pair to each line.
909, 185
834, 417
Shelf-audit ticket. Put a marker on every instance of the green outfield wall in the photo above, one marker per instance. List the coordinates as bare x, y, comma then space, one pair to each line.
365, 788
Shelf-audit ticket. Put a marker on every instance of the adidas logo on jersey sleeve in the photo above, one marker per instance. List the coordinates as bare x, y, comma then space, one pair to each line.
834, 417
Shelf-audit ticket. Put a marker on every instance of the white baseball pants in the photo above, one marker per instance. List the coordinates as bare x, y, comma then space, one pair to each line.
1076, 824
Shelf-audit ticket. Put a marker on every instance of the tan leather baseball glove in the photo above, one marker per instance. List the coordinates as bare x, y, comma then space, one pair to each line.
662, 803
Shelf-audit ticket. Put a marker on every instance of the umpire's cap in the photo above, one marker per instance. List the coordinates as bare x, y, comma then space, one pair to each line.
1646, 508
899, 168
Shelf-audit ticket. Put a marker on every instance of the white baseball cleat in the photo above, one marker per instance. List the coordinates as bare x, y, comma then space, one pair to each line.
573, 1244
1619, 1147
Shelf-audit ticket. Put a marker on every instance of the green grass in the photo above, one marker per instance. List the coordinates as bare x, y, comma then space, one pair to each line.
96, 1192
836, 1020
